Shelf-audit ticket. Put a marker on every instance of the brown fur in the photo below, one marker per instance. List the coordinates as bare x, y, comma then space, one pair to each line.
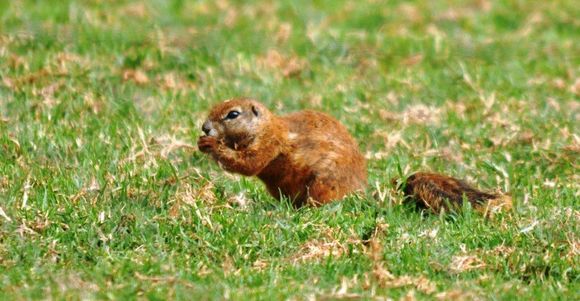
439, 192
307, 156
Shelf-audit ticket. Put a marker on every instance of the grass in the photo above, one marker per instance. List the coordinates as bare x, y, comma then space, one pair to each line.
103, 195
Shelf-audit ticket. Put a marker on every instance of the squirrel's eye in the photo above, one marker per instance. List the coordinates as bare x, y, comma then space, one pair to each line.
232, 115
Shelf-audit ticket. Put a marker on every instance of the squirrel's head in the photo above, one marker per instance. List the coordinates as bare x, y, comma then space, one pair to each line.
236, 121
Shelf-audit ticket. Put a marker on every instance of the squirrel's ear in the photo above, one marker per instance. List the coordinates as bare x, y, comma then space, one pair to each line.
255, 110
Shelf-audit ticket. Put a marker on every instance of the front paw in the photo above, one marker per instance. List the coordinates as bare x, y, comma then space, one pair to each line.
207, 144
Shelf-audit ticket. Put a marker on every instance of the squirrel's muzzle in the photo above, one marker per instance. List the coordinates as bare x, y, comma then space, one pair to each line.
206, 127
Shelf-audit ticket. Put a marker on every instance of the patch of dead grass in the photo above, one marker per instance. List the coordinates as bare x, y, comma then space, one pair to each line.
286, 65
391, 139
154, 148
414, 114
240, 200
283, 32
575, 87
172, 81
412, 60
137, 76
464, 263
328, 244
4, 183
457, 295
137, 9
319, 249
188, 195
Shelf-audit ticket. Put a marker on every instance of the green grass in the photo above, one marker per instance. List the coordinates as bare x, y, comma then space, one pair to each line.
105, 197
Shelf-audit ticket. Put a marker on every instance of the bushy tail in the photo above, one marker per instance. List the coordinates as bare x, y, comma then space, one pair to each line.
437, 192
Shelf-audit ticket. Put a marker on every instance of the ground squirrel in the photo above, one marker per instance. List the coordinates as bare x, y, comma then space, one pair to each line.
309, 157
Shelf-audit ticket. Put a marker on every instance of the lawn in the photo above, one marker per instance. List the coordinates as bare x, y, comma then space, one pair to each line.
103, 194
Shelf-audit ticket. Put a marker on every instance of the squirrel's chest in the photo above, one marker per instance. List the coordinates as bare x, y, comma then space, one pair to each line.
286, 175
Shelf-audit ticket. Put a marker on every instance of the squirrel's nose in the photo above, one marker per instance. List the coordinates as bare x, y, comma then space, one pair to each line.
206, 127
